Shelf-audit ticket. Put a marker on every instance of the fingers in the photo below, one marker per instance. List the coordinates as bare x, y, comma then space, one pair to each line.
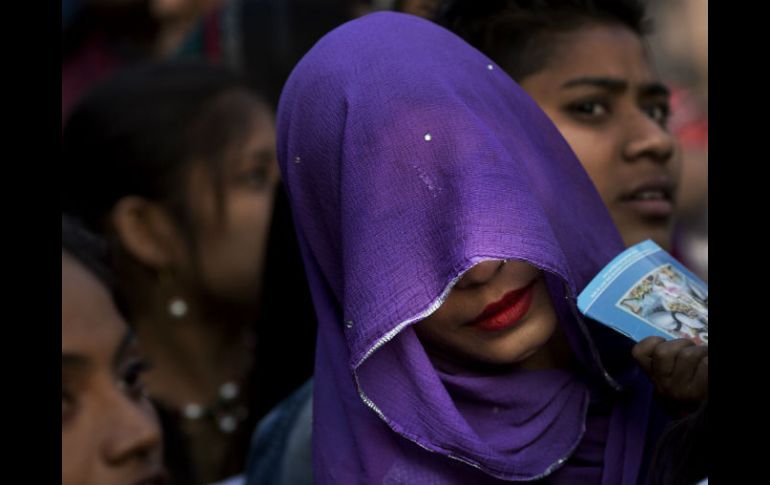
678, 368
666, 354
642, 352
696, 387
688, 363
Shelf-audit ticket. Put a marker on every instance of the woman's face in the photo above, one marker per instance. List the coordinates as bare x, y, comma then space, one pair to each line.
498, 313
231, 242
601, 93
110, 433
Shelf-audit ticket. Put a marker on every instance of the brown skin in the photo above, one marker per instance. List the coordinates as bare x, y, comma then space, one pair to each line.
110, 432
231, 243
217, 270
678, 368
602, 94
531, 343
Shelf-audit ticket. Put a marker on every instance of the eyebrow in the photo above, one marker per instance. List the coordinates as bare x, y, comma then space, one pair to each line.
601, 82
618, 85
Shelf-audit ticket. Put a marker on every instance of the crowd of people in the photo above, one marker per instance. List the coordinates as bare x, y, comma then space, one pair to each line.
341, 242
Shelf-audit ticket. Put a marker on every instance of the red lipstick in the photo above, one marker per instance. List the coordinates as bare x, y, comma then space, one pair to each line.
507, 311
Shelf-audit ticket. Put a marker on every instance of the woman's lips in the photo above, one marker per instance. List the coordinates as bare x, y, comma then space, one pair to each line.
652, 198
507, 311
653, 208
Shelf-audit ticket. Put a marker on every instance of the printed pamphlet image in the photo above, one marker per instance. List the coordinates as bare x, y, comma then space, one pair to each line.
644, 291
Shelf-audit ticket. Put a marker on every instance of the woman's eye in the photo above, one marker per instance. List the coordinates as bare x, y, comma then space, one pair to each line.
589, 109
257, 177
659, 113
132, 381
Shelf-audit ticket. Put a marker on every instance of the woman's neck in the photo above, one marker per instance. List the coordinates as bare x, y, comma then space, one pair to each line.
191, 357
555, 354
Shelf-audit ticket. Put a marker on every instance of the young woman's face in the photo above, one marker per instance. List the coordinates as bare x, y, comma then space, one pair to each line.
110, 433
601, 93
231, 243
498, 313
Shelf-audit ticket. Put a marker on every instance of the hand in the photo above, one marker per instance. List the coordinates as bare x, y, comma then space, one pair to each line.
678, 368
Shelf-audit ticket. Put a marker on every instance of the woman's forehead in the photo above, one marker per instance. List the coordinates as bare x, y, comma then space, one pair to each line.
600, 50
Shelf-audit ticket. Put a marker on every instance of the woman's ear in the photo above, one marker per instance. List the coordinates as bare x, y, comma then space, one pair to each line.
147, 232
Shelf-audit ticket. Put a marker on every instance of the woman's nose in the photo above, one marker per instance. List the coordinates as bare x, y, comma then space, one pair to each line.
134, 431
648, 139
480, 274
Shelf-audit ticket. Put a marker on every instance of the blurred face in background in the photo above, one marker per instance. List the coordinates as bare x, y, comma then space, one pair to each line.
601, 93
231, 228
110, 432
206, 241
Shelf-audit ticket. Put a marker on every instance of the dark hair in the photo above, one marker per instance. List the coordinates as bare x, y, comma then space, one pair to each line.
285, 297
87, 248
517, 34
128, 29
139, 132
275, 34
681, 455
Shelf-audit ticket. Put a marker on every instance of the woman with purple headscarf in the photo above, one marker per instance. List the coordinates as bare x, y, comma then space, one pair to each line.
446, 229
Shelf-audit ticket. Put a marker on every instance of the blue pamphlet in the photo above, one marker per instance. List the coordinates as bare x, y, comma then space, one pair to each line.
645, 292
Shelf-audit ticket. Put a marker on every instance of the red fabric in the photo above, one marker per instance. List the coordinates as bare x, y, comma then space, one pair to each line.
688, 122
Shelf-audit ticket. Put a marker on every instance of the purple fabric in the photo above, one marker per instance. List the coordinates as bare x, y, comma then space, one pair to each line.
409, 157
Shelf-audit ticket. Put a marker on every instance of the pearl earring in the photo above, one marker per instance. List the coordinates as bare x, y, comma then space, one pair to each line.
177, 307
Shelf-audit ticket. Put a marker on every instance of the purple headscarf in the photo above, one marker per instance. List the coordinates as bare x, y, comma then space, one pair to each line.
409, 157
